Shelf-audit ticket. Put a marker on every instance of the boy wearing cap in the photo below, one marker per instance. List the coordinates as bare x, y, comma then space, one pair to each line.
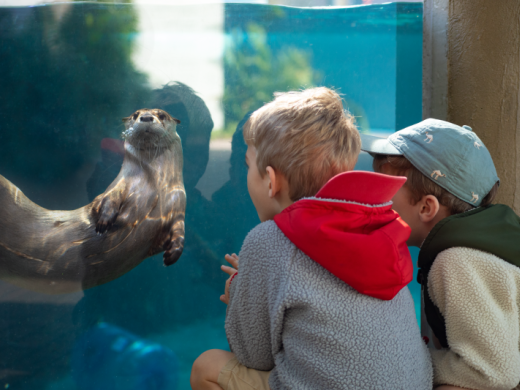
320, 299
469, 250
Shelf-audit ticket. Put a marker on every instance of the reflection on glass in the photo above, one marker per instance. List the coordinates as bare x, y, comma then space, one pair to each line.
70, 72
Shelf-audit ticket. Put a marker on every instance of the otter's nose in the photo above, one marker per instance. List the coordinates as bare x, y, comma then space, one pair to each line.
146, 118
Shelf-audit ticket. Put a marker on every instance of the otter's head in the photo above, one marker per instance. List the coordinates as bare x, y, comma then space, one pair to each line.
150, 129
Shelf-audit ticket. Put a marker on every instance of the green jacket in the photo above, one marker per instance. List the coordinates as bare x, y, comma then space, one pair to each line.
494, 229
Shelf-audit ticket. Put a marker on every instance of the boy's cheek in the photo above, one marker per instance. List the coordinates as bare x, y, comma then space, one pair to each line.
402, 205
400, 201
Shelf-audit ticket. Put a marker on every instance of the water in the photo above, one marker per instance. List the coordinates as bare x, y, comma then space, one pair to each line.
70, 72
107, 357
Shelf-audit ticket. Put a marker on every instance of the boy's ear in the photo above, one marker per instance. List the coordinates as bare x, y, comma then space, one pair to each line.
429, 208
274, 182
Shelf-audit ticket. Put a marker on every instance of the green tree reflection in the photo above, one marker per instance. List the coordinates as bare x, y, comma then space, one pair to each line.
253, 72
67, 79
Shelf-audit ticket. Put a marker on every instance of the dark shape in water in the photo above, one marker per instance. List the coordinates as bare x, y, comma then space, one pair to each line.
107, 357
139, 215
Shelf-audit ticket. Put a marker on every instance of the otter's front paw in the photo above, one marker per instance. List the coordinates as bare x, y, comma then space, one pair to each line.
107, 215
173, 251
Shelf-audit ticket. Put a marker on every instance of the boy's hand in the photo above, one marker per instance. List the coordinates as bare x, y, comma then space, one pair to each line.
233, 260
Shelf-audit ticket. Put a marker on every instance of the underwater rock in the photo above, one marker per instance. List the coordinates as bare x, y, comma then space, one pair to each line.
139, 215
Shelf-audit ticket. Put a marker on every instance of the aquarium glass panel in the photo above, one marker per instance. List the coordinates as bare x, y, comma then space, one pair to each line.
70, 73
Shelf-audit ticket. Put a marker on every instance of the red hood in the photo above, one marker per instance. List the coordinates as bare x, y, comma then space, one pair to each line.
350, 230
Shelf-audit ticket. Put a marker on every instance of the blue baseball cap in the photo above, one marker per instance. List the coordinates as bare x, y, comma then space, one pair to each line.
451, 156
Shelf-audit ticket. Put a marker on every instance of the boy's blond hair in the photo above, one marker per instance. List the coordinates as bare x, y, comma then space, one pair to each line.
421, 185
305, 135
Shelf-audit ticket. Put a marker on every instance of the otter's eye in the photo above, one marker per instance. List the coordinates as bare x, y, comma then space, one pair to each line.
162, 117
135, 115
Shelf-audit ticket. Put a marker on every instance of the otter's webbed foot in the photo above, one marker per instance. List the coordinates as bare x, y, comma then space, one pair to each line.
173, 250
107, 213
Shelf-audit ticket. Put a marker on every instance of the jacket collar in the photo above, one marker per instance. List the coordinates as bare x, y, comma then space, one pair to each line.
360, 187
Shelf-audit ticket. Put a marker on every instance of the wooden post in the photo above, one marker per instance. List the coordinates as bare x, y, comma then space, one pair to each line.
472, 77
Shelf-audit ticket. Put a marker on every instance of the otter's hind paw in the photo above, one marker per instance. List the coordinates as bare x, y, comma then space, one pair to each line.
173, 251
105, 223
106, 217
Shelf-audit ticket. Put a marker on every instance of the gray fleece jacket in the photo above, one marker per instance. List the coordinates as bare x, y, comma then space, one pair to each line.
289, 314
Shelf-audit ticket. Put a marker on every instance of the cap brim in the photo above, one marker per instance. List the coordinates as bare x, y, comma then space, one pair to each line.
378, 145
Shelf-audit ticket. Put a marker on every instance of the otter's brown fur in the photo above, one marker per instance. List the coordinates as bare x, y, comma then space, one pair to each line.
140, 214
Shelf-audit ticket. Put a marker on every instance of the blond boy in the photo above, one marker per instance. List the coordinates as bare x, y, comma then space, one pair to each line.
320, 300
470, 251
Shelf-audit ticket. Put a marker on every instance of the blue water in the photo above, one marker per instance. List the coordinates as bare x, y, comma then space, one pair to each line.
71, 72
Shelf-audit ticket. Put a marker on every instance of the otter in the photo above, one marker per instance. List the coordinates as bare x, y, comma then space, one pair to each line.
139, 215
